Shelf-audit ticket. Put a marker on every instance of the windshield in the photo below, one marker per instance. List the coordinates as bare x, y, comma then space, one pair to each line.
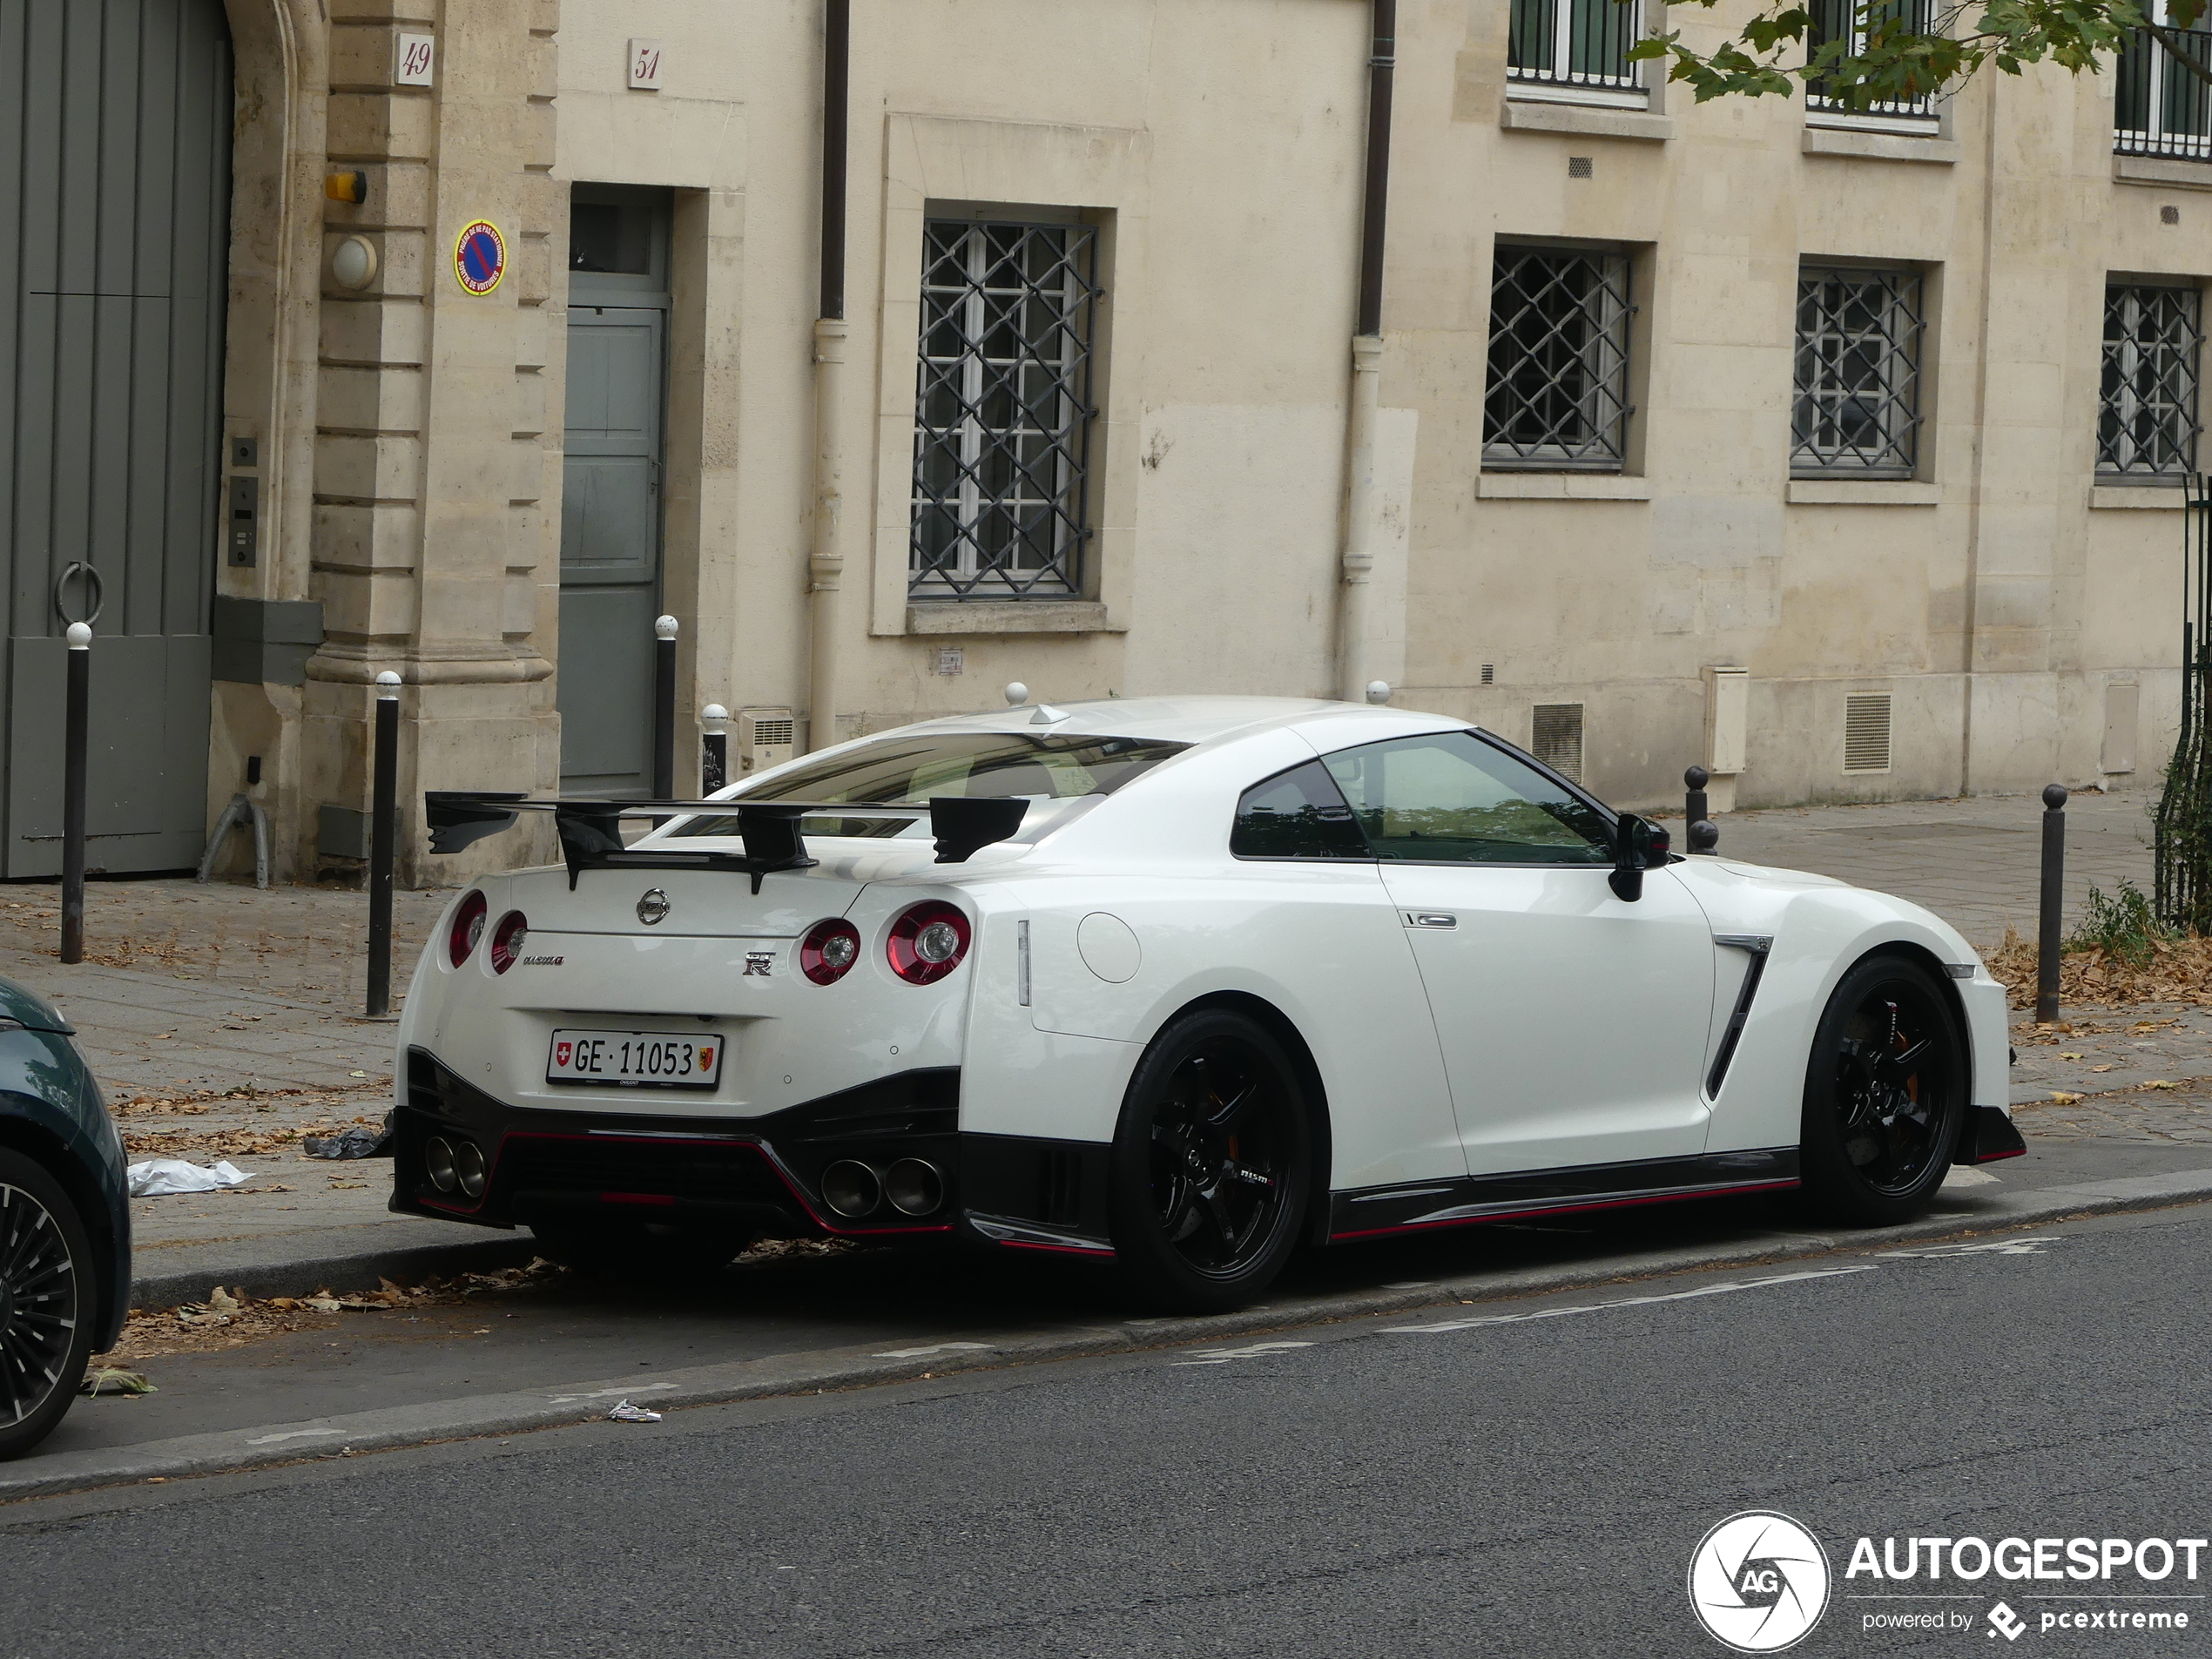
908, 770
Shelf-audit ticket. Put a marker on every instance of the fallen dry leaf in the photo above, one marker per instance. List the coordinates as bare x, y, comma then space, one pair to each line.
2059, 1097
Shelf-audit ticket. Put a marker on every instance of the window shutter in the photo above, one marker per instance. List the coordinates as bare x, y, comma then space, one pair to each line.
1866, 732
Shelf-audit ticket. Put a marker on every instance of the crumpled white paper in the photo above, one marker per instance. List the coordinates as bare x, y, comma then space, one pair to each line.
158, 1177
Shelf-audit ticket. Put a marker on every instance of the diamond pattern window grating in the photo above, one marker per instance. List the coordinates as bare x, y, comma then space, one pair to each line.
1857, 408
1558, 393
2147, 404
1866, 732
1002, 411
1556, 738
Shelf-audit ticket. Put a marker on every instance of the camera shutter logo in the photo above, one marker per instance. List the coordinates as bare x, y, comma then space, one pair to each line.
1758, 1582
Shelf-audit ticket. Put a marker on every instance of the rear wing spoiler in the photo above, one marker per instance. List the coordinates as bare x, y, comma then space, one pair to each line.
591, 830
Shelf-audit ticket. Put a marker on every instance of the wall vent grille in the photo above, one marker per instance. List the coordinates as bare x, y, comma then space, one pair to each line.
1866, 732
1558, 737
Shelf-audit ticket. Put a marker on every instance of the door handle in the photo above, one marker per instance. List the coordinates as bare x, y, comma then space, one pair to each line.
1437, 918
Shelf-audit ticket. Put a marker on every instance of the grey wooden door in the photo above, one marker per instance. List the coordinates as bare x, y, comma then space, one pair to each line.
114, 227
610, 491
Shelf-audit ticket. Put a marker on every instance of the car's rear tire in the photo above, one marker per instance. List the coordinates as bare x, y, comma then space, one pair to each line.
635, 1248
48, 1290
1885, 1094
1212, 1165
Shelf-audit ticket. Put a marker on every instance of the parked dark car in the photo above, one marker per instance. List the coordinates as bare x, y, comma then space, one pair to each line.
65, 1220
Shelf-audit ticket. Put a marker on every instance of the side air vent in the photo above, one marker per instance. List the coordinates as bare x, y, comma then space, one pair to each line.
1558, 740
1866, 732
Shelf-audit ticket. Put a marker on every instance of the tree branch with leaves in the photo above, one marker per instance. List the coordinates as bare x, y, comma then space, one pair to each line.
1900, 52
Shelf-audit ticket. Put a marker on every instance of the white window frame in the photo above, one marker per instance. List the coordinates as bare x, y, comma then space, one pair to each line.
1548, 85
1921, 118
2156, 140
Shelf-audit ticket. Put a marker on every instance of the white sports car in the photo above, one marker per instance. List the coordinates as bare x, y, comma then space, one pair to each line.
1177, 984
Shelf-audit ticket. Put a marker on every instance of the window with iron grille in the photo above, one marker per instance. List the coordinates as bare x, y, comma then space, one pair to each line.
1003, 410
1558, 393
1575, 43
2147, 422
1857, 412
2160, 108
1855, 23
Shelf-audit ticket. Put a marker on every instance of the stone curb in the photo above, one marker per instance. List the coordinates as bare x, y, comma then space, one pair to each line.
862, 1366
340, 1271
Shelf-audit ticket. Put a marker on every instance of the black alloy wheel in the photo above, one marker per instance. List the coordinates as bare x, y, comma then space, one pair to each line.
1211, 1165
46, 1290
1885, 1094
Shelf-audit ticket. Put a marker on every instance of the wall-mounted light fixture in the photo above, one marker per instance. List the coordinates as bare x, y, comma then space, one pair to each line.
353, 262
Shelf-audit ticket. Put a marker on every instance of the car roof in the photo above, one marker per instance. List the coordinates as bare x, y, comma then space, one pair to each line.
1201, 718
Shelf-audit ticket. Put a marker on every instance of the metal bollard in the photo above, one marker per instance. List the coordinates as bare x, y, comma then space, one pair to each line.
2046, 929
665, 709
714, 748
383, 833
75, 736
1699, 831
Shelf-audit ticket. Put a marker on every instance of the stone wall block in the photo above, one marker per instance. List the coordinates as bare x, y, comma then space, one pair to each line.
534, 270
373, 331
541, 62
414, 13
365, 469
537, 133
398, 196
526, 471
366, 607
520, 619
545, 203
532, 331
354, 536
529, 406
361, 55
525, 537
369, 126
370, 401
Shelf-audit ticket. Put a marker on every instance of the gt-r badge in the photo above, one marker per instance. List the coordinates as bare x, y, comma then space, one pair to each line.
758, 963
652, 909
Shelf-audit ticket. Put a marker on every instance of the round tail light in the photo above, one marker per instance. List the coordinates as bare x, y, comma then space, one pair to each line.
829, 950
437, 1163
851, 1188
468, 927
507, 940
928, 942
468, 1168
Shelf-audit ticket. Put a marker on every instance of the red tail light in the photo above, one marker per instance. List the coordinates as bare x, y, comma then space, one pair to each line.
829, 950
468, 927
507, 940
928, 942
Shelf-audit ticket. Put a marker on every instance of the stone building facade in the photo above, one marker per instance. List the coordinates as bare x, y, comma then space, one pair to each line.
1839, 453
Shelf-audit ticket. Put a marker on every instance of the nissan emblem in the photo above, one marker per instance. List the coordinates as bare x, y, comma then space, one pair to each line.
652, 909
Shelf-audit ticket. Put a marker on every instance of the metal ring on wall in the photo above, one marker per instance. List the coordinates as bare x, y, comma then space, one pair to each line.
96, 592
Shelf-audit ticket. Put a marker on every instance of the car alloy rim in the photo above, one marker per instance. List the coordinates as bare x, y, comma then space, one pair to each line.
1220, 1157
37, 1304
1893, 1086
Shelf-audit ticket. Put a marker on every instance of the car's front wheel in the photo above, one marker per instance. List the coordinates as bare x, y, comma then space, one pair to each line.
46, 1291
1212, 1165
1885, 1093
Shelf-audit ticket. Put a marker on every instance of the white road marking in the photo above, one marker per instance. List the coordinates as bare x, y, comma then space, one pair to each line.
1994, 1247
1625, 1302
1222, 1356
935, 1348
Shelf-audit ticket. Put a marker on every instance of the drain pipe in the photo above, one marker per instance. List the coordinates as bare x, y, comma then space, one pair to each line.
825, 557
1357, 587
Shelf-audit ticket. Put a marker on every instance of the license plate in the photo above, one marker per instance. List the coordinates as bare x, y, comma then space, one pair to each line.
652, 1058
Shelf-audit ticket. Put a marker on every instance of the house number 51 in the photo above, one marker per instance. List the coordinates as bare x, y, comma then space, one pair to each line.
644, 65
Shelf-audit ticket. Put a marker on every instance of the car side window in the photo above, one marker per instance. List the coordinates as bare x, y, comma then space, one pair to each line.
1453, 798
1296, 814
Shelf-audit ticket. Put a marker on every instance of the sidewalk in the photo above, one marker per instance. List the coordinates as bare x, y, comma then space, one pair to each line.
226, 1023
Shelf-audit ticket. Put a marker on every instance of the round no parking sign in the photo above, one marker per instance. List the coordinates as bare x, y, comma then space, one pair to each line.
479, 257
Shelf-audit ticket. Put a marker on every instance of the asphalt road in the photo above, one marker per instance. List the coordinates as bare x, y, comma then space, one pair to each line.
1518, 1485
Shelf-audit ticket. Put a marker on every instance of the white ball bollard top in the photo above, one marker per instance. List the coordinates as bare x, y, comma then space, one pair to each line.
387, 686
714, 716
665, 628
1017, 694
1378, 691
80, 636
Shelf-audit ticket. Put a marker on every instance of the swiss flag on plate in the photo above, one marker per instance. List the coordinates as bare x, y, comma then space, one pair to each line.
706, 1057
561, 1054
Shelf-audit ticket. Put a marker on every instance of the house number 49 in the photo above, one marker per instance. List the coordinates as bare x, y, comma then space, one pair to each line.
413, 60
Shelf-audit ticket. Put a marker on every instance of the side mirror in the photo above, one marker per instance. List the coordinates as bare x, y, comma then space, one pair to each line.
1638, 844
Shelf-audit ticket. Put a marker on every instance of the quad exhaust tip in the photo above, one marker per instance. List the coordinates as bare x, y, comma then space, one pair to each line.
855, 1190
438, 1164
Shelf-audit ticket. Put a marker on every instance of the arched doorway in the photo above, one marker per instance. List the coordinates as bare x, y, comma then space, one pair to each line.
115, 193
